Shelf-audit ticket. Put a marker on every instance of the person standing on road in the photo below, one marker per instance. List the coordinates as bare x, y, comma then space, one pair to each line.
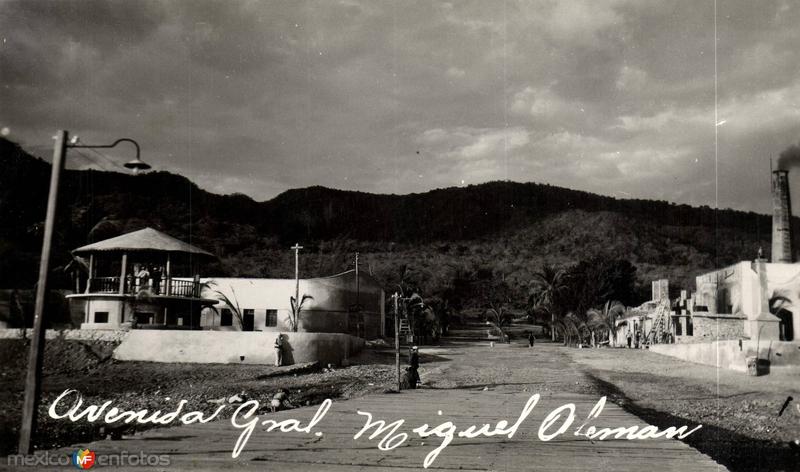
413, 362
629, 338
531, 339
279, 350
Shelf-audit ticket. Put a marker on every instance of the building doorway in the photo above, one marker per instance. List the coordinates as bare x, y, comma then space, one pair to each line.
785, 327
144, 317
248, 320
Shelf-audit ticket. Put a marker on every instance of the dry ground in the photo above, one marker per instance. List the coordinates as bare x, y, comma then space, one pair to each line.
89, 369
742, 429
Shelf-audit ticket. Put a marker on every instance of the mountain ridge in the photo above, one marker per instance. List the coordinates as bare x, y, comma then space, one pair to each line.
99, 204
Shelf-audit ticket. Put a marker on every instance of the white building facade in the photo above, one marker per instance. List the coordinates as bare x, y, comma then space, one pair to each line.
341, 303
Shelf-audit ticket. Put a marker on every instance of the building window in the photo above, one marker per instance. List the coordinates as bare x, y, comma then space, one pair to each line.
101, 317
248, 319
226, 318
272, 317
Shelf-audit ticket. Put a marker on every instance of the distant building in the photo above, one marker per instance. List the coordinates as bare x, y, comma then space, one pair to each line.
143, 279
660, 289
757, 299
340, 303
150, 280
764, 296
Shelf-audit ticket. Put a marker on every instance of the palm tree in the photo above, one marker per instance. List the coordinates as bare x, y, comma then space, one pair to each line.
232, 303
297, 308
499, 319
573, 328
605, 318
549, 284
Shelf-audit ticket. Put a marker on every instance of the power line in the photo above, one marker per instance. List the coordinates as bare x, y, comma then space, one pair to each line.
93, 160
35, 149
112, 161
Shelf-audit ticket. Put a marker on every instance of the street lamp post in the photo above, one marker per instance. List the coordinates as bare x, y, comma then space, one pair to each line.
35, 355
396, 341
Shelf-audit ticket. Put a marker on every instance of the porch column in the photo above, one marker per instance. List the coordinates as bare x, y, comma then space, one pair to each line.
123, 272
91, 274
169, 281
196, 275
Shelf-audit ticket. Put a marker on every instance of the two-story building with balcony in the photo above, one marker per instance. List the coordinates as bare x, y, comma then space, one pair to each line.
143, 279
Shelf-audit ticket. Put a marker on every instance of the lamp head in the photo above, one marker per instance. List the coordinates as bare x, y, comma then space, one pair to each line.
137, 165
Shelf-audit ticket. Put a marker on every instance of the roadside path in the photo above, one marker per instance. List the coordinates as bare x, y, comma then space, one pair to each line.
471, 384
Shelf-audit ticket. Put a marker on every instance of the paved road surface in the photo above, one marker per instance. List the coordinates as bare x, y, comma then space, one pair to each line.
471, 384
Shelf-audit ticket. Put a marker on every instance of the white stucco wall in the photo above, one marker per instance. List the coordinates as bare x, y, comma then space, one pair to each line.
783, 356
328, 311
207, 347
738, 287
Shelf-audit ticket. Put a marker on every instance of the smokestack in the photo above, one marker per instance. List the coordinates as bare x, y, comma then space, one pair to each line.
781, 218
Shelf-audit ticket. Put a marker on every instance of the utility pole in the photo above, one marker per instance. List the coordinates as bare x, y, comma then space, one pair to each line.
296, 249
396, 340
358, 286
34, 372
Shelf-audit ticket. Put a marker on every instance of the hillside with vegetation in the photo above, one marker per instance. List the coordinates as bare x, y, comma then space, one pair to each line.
443, 243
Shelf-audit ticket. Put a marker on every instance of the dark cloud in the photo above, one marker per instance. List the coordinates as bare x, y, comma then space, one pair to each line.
789, 157
613, 97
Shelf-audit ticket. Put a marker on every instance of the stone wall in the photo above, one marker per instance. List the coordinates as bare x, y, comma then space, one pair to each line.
68, 334
715, 328
235, 347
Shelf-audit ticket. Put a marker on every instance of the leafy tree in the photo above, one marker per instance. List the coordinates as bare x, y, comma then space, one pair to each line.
441, 310
594, 281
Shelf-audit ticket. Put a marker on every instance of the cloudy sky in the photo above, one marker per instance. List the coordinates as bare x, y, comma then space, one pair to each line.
256, 97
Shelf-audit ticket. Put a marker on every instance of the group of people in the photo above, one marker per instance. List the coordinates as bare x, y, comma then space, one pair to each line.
145, 277
634, 338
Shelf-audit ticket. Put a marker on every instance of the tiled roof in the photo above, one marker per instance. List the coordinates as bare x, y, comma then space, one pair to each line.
147, 239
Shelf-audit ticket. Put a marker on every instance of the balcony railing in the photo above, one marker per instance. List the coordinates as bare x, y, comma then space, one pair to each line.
105, 284
133, 285
185, 288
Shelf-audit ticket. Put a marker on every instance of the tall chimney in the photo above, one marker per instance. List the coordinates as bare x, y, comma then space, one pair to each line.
781, 218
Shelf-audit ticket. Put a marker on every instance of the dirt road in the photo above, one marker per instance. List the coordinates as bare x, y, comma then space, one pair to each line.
470, 384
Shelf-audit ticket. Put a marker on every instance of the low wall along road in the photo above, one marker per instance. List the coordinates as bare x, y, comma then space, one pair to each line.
784, 356
249, 347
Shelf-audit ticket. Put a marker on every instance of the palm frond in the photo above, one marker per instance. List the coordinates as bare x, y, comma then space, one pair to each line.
232, 303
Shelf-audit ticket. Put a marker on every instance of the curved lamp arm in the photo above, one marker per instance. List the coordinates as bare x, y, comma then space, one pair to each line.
135, 165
